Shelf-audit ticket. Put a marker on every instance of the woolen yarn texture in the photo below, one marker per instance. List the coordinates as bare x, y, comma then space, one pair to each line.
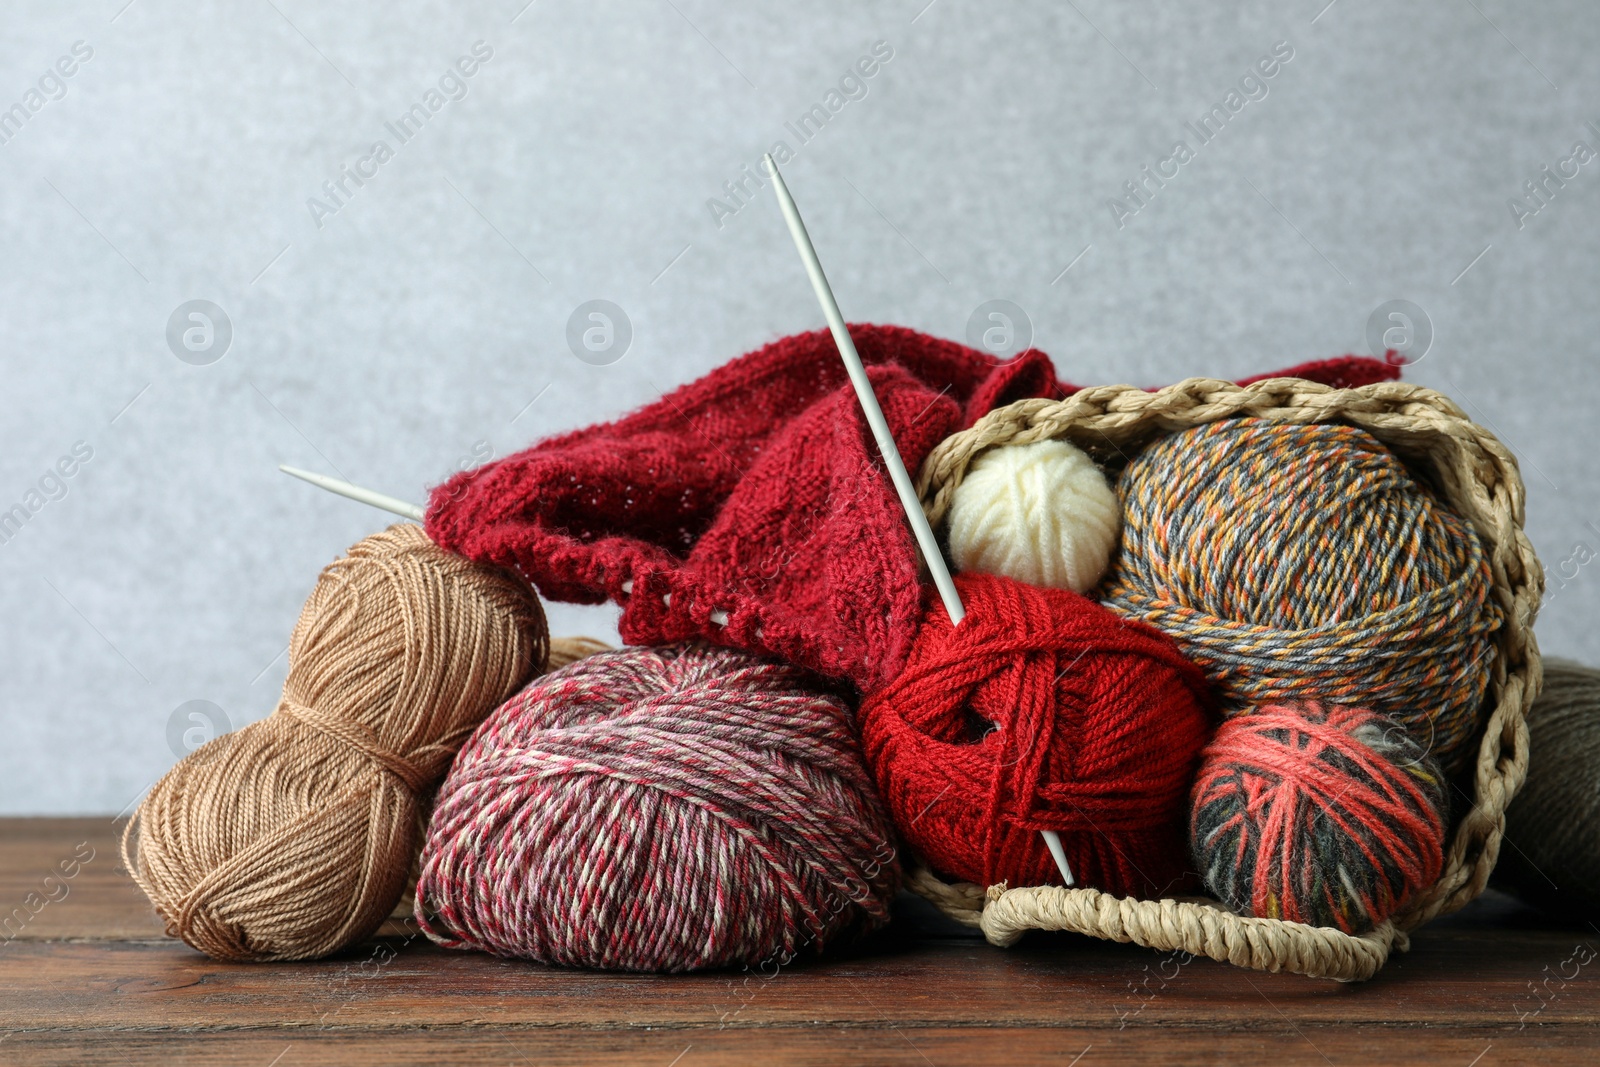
665, 809
1306, 563
1041, 513
1552, 858
294, 837
755, 493
1318, 814
1041, 711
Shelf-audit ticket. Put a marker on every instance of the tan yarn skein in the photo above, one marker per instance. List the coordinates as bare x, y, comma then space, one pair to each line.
293, 837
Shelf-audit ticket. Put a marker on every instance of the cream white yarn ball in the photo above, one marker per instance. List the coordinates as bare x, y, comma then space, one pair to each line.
1041, 513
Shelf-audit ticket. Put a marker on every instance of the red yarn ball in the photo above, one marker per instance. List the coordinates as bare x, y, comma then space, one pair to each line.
1041, 711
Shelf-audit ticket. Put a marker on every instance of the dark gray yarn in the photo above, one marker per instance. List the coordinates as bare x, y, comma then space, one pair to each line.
1551, 853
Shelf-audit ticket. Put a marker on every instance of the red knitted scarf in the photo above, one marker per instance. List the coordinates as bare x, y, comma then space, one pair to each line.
755, 493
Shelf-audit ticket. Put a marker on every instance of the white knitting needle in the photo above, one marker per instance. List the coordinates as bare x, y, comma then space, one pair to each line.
355, 492
869, 402
408, 510
880, 432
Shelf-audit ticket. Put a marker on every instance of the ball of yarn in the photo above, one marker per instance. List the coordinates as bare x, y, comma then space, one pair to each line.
1305, 562
1041, 513
661, 809
1551, 855
294, 837
1040, 711
1320, 814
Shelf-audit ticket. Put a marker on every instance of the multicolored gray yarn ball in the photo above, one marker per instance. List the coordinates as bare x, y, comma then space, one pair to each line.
664, 809
1318, 814
1305, 562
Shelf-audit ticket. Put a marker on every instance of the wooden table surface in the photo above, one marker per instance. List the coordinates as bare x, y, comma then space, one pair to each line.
88, 977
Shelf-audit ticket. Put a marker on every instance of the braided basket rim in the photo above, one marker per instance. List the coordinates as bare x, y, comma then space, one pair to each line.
1473, 471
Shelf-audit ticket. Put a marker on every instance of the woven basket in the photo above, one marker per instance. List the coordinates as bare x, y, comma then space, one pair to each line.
1470, 469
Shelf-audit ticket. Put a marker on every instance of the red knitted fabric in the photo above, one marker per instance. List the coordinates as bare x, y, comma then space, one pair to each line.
755, 491
1041, 711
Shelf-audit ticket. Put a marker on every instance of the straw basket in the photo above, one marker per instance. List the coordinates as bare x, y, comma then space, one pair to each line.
1470, 469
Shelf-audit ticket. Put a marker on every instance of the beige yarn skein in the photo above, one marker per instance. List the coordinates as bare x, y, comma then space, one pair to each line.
293, 837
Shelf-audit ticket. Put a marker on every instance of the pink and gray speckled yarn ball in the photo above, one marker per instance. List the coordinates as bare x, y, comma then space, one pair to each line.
664, 809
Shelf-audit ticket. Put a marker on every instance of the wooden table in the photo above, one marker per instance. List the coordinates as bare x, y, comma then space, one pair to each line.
88, 977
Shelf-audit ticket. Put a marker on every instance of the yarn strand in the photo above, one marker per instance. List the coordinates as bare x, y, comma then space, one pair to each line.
1325, 815
1304, 562
1041, 711
662, 809
292, 837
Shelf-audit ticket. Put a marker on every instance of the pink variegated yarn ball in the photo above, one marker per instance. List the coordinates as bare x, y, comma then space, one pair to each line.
664, 809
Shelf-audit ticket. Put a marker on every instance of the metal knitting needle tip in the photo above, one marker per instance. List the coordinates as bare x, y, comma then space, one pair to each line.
355, 492
880, 432
1052, 841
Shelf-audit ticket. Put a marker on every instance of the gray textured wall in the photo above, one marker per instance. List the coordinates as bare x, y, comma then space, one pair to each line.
420, 323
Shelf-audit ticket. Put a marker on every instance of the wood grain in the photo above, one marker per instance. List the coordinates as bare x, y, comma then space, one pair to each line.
101, 901
91, 978
821, 1046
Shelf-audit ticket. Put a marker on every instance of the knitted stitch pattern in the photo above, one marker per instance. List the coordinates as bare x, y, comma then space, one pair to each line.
754, 493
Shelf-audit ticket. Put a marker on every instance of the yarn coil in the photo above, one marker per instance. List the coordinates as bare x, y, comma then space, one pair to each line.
293, 837
663, 809
1040, 711
1554, 861
1041, 513
1472, 472
1318, 814
1304, 562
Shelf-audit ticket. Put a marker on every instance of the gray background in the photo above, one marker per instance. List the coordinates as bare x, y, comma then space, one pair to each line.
409, 333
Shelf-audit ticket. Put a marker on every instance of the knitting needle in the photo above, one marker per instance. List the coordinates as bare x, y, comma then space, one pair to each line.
885, 439
869, 402
355, 492
409, 510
